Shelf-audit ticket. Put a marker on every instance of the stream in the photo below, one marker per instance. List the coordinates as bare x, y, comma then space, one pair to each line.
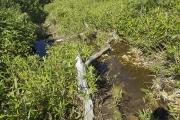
127, 77
131, 79
114, 74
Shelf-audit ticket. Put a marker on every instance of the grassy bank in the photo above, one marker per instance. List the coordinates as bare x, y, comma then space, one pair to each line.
36, 89
153, 26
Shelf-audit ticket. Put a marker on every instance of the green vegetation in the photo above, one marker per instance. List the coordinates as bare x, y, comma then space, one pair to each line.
46, 88
32, 87
146, 114
151, 25
149, 97
118, 94
16, 31
176, 117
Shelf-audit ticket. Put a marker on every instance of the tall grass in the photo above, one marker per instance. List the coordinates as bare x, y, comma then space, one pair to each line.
151, 25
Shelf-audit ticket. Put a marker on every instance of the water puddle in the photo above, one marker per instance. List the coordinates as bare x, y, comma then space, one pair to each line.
40, 47
141, 77
126, 76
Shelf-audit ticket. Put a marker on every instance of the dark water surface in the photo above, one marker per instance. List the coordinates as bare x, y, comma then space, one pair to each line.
40, 47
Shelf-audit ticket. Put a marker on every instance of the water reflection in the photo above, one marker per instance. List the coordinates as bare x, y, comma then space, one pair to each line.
40, 47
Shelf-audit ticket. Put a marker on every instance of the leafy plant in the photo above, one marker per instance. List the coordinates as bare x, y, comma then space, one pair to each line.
17, 32
145, 114
149, 97
176, 117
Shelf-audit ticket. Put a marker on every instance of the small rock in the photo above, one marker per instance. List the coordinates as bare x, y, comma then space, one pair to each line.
126, 57
131, 117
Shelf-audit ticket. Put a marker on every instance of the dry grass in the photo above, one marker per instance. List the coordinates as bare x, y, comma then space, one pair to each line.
166, 89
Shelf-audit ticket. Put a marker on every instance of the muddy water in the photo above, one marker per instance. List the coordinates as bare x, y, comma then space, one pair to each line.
141, 77
128, 77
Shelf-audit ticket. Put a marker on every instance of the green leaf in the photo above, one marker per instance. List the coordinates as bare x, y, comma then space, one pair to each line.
2, 116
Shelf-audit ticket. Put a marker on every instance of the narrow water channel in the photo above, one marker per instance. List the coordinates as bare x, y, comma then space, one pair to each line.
131, 78
128, 77
141, 77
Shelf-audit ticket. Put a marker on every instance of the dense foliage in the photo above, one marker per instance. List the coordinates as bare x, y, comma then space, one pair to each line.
34, 8
46, 88
32, 87
16, 31
18, 25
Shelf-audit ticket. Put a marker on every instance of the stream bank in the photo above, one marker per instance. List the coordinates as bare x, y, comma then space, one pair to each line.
119, 94
123, 73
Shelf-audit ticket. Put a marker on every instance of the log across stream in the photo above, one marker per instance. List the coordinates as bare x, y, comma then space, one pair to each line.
114, 74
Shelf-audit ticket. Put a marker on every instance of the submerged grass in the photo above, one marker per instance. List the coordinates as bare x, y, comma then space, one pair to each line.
118, 94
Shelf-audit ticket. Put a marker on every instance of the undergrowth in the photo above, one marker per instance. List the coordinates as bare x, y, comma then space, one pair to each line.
47, 88
151, 25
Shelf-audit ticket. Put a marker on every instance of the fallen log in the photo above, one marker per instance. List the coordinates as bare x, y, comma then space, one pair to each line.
82, 83
95, 56
81, 71
83, 87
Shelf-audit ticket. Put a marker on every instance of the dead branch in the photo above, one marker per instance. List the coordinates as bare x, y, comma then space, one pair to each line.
95, 56
82, 83
83, 87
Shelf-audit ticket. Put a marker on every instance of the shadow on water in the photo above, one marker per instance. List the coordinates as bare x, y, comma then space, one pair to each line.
40, 47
